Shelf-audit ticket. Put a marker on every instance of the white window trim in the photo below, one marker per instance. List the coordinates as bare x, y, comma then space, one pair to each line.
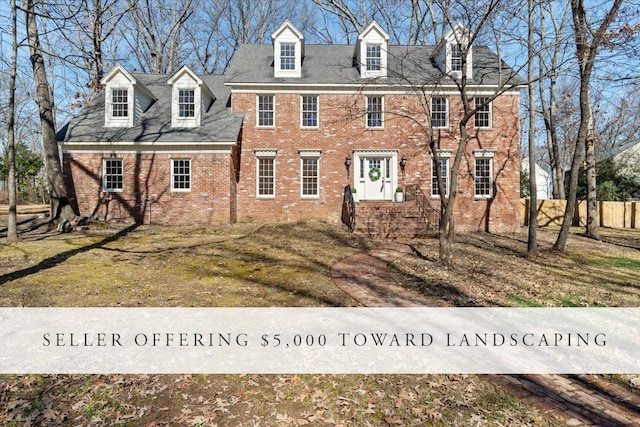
104, 175
258, 125
446, 112
265, 154
128, 103
366, 58
441, 156
490, 105
483, 155
366, 116
309, 154
123, 121
452, 46
181, 190
295, 57
180, 118
302, 126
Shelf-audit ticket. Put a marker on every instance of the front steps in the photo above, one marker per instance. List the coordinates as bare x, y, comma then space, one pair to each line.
391, 220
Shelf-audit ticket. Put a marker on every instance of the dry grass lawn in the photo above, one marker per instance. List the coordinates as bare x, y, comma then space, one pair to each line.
282, 265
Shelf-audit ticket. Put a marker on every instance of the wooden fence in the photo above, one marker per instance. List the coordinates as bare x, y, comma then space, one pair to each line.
611, 214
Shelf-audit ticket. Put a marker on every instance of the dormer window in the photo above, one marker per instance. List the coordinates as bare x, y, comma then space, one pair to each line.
186, 103
453, 51
456, 57
373, 57
122, 91
287, 56
371, 52
191, 98
288, 51
119, 103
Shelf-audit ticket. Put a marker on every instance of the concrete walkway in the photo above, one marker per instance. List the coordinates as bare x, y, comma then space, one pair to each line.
580, 400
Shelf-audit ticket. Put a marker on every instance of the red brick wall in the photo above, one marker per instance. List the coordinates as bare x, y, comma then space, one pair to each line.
147, 195
342, 130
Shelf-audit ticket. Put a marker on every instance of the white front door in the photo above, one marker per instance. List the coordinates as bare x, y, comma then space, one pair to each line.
376, 177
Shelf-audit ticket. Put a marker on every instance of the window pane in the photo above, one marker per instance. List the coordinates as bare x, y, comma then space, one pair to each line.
483, 177
456, 57
265, 110
439, 117
373, 57
310, 177
266, 177
483, 113
287, 56
444, 173
113, 176
309, 111
181, 175
186, 103
120, 103
374, 111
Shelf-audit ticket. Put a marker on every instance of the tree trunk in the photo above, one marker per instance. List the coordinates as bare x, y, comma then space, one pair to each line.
60, 207
12, 229
532, 242
96, 38
593, 228
586, 51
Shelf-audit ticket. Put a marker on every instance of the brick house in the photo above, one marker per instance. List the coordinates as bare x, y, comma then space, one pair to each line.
280, 135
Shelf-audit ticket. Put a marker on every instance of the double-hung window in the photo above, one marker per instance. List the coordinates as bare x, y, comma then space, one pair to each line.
112, 175
119, 103
444, 174
375, 111
483, 112
266, 173
456, 57
309, 111
310, 179
373, 57
439, 112
186, 103
287, 56
483, 175
266, 112
181, 174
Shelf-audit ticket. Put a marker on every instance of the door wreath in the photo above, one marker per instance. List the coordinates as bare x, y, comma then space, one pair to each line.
374, 174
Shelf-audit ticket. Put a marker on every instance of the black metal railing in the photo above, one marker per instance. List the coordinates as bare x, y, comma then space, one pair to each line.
348, 209
430, 214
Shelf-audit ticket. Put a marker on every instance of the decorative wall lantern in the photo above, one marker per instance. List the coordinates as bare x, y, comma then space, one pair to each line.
403, 164
347, 164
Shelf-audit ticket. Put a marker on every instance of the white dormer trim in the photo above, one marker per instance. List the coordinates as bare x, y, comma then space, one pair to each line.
186, 80
138, 97
287, 35
118, 79
459, 35
377, 38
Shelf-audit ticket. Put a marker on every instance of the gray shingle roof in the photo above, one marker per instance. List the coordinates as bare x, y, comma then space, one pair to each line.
335, 64
154, 125
253, 64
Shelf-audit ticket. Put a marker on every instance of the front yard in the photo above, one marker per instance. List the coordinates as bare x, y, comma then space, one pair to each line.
283, 265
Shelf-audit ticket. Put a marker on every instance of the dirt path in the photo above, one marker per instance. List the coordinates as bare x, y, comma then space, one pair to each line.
580, 400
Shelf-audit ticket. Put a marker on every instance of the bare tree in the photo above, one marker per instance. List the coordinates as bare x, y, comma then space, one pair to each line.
60, 207
479, 17
532, 243
12, 230
232, 23
550, 67
158, 41
408, 22
588, 41
87, 25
